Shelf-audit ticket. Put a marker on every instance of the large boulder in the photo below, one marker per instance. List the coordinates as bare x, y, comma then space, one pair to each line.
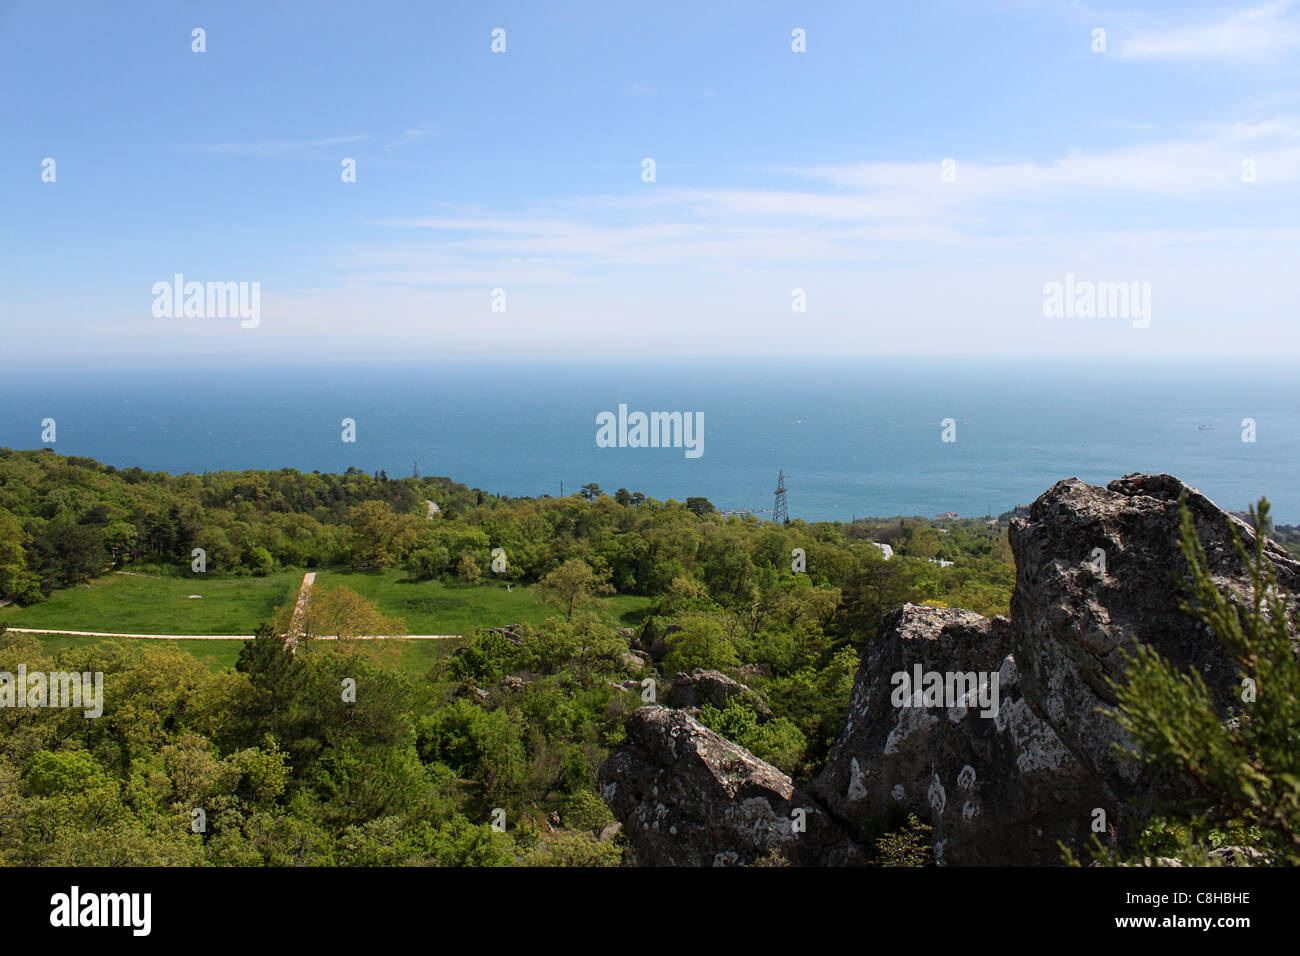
1098, 570
966, 754
701, 687
689, 797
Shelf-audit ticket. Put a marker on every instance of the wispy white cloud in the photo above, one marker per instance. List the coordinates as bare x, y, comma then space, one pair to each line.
410, 136
1261, 33
862, 213
892, 258
278, 147
1203, 165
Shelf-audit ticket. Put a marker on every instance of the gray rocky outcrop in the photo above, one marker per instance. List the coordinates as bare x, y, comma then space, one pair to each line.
701, 687
968, 755
689, 797
1097, 571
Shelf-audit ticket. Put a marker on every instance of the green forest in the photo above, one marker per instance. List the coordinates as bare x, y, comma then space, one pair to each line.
484, 755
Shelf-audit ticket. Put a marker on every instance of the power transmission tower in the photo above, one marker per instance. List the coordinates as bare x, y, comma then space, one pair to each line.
780, 514
417, 469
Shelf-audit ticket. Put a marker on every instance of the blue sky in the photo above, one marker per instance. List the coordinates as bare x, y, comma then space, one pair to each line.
522, 171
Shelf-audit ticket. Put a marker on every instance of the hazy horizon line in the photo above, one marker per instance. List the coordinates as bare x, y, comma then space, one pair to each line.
242, 360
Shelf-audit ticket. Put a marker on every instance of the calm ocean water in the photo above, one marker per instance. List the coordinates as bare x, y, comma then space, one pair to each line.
858, 438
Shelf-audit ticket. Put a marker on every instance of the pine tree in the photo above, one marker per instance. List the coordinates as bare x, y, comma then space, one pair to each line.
1246, 768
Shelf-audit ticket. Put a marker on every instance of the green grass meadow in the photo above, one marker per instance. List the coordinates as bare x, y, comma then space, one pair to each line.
148, 604
432, 607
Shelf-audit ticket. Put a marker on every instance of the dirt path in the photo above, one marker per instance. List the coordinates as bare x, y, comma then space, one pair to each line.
161, 637
296, 629
229, 637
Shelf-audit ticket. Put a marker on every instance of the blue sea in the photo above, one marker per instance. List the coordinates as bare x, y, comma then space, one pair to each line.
859, 438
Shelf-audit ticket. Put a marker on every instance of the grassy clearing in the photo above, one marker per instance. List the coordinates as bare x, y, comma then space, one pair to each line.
432, 607
143, 604
416, 657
